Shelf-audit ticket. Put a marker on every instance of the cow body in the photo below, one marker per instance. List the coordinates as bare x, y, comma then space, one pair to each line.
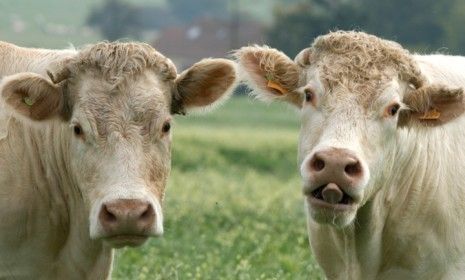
382, 182
44, 226
411, 228
85, 155
36, 199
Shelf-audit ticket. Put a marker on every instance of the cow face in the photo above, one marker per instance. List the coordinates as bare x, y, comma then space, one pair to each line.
117, 113
355, 92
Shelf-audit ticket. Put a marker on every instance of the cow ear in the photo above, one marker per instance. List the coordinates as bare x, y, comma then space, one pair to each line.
205, 83
270, 73
32, 96
432, 105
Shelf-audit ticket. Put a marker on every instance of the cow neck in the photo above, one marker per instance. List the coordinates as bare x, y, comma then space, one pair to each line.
413, 200
56, 184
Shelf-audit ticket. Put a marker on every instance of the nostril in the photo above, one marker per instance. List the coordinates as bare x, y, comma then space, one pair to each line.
107, 215
353, 169
148, 214
317, 164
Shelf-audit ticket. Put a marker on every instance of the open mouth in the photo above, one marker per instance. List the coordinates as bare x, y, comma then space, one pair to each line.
330, 196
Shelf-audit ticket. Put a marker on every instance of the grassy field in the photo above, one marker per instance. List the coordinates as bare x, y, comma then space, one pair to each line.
233, 208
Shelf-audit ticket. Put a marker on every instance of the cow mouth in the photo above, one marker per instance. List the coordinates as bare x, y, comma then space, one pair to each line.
330, 196
118, 241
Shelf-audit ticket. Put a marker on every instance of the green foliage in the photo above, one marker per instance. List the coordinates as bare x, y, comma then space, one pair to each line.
410, 22
427, 25
187, 10
233, 209
115, 19
295, 26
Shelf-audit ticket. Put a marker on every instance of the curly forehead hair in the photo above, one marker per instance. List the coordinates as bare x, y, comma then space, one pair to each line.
359, 61
116, 62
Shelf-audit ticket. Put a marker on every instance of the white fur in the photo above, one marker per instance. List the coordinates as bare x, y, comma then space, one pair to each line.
53, 183
411, 226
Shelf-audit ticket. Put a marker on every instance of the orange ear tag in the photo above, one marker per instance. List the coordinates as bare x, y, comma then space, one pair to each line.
431, 115
276, 86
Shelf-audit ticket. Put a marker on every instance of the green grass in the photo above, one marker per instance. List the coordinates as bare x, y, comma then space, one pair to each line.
233, 208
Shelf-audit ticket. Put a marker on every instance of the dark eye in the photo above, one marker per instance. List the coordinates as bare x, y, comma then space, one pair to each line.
166, 127
308, 95
77, 130
392, 109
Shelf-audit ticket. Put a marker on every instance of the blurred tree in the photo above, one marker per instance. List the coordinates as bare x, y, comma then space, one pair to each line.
428, 25
454, 25
115, 19
155, 17
414, 23
188, 10
295, 26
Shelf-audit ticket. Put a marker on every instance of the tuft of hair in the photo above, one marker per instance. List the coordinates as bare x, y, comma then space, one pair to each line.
359, 60
116, 61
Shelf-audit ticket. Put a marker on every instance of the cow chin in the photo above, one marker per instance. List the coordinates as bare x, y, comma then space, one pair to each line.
120, 241
339, 218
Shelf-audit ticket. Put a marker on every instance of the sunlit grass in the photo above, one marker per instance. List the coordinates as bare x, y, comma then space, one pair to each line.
234, 208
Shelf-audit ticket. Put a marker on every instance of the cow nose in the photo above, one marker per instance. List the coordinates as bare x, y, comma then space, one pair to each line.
127, 217
335, 166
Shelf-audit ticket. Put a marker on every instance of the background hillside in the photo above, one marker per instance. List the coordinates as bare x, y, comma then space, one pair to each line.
187, 29
58, 23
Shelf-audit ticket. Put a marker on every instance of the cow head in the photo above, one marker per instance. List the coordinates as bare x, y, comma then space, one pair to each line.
116, 101
356, 92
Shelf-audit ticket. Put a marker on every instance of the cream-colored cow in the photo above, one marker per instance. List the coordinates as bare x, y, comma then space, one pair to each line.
381, 153
85, 155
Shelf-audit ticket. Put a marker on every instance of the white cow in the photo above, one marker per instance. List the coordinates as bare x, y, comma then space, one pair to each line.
85, 155
381, 153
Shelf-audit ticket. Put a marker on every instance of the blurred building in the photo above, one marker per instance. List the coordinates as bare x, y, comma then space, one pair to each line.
207, 37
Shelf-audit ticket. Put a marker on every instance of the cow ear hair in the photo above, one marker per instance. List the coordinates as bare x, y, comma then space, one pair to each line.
203, 85
432, 105
270, 74
34, 97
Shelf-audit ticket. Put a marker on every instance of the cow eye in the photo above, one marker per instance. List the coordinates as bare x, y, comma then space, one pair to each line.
77, 130
166, 127
308, 95
392, 109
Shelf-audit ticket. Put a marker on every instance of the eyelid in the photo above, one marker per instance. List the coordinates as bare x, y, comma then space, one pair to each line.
386, 113
310, 90
163, 123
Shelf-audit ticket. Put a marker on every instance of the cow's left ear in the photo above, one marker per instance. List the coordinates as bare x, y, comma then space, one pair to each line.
32, 96
270, 73
432, 105
206, 83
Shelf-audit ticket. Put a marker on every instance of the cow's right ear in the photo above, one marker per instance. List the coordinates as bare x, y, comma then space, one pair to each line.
270, 73
32, 96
